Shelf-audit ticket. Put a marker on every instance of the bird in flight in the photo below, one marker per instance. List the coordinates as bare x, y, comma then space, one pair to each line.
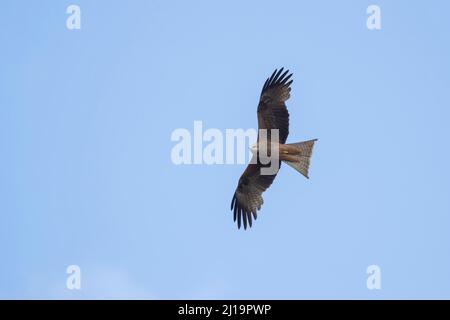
273, 121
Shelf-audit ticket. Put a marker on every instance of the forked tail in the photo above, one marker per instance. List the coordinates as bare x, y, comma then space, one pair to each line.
298, 156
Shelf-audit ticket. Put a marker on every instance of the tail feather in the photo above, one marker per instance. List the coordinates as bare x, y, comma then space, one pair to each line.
302, 156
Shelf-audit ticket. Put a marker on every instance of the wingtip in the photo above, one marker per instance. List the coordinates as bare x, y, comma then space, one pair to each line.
278, 77
233, 201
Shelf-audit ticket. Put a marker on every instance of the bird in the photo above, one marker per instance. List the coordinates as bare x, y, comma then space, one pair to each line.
273, 116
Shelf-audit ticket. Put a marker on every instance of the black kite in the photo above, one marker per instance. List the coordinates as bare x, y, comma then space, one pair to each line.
272, 114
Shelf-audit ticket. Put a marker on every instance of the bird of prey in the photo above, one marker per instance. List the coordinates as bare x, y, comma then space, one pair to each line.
272, 114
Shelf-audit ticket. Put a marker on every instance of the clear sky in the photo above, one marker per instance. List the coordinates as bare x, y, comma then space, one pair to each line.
86, 176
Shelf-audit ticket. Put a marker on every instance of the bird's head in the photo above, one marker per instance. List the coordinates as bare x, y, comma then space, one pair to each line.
254, 148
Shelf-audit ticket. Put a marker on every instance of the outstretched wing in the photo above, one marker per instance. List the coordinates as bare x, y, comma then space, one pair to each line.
247, 199
272, 114
272, 111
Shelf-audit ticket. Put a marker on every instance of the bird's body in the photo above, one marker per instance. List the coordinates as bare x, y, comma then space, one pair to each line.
271, 149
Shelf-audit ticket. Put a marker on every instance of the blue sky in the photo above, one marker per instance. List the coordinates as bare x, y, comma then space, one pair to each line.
86, 176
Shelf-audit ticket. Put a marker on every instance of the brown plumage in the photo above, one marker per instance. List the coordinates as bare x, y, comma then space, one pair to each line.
272, 114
